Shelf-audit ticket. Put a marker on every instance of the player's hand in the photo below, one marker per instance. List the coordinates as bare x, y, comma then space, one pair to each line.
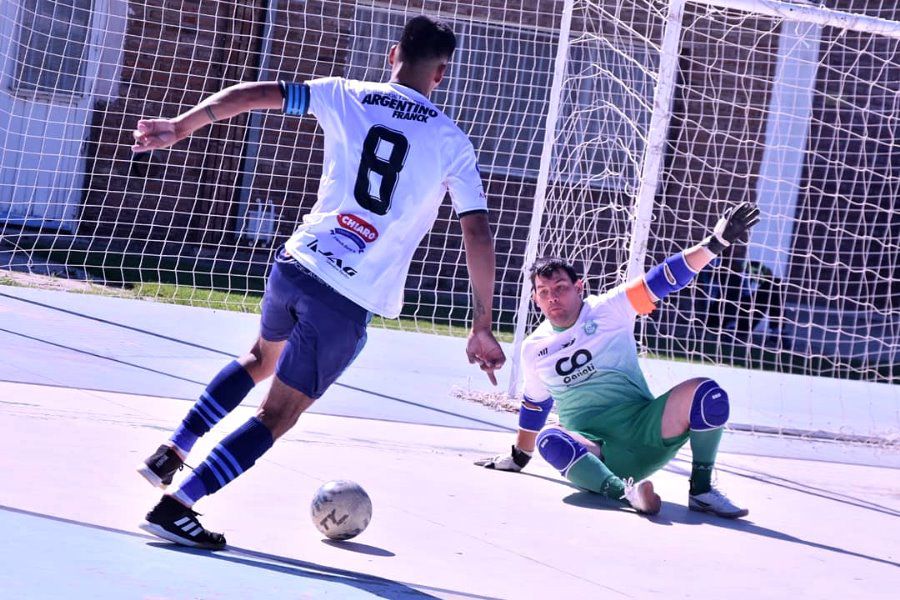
484, 350
734, 226
514, 461
153, 134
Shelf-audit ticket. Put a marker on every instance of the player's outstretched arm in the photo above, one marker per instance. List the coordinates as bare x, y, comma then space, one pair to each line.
482, 348
679, 270
153, 134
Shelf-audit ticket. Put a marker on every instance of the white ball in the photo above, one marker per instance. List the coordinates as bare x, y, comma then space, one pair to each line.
341, 509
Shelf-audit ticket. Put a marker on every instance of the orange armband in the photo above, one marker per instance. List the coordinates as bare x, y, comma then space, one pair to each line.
639, 296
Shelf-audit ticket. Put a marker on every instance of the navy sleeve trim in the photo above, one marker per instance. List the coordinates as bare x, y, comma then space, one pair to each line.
477, 211
296, 98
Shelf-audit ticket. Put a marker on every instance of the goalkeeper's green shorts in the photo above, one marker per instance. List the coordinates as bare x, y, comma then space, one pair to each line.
630, 433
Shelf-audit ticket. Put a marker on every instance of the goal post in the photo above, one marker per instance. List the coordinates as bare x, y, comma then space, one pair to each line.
724, 101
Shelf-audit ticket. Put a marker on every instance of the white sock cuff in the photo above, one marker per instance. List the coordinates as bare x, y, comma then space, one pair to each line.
183, 498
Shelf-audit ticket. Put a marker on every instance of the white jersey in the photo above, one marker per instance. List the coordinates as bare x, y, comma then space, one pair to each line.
390, 158
588, 363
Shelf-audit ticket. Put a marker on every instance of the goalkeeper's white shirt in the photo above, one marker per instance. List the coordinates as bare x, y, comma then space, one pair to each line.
593, 363
390, 158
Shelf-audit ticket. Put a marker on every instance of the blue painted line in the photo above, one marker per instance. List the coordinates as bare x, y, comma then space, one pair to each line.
98, 562
215, 351
116, 324
100, 356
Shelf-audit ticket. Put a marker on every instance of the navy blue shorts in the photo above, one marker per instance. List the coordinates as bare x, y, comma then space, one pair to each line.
324, 330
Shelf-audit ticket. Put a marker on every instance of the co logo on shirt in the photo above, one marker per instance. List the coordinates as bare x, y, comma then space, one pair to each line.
566, 366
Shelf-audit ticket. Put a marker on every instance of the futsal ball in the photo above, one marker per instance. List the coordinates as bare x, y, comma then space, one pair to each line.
341, 509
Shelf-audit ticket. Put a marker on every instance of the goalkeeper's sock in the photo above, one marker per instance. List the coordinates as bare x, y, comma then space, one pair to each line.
223, 394
591, 474
704, 446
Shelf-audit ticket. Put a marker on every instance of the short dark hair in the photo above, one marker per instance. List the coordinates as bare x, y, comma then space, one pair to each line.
425, 38
546, 266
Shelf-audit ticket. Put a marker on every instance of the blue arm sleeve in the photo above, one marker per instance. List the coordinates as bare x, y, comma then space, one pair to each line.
533, 415
670, 276
296, 98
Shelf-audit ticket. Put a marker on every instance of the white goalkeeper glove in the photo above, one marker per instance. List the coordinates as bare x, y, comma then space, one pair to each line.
514, 461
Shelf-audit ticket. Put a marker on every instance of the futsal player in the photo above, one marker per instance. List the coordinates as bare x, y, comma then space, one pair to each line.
390, 157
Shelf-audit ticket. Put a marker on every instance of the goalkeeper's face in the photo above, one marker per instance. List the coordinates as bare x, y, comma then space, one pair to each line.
559, 298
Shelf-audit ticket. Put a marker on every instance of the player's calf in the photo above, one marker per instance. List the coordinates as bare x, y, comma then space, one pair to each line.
708, 415
578, 462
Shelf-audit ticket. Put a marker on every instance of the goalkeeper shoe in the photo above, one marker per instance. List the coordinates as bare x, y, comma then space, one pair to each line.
642, 497
171, 520
161, 466
717, 503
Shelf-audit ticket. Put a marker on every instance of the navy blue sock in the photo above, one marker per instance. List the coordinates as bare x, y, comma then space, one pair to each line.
223, 394
234, 455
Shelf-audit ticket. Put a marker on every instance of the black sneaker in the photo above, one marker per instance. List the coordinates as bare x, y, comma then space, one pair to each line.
161, 466
171, 520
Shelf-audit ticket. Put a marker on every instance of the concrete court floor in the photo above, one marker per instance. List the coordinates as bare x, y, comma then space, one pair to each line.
71, 501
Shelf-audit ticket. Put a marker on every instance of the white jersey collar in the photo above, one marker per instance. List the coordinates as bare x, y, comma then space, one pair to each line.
413, 90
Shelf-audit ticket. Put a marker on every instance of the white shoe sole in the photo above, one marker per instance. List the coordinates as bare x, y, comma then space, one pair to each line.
171, 537
709, 509
150, 476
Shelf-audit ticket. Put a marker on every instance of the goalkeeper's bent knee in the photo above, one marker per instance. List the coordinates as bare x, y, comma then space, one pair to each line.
560, 449
710, 407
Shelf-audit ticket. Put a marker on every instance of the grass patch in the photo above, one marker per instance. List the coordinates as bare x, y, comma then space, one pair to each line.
204, 298
245, 302
249, 303
410, 324
191, 285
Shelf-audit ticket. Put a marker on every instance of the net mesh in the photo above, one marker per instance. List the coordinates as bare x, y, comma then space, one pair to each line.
800, 118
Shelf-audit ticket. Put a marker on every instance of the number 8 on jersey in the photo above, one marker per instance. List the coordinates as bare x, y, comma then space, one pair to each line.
387, 170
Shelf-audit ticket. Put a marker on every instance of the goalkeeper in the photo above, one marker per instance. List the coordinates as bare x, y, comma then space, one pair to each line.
583, 355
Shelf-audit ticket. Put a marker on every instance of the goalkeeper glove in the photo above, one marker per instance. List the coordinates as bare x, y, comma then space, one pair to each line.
732, 227
515, 461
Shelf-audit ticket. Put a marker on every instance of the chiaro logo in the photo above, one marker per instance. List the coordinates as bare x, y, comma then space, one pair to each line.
361, 228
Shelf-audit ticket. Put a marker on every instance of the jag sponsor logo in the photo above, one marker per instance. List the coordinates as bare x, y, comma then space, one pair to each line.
333, 260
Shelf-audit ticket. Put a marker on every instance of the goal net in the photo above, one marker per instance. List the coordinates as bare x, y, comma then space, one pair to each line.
199, 223
671, 112
611, 133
